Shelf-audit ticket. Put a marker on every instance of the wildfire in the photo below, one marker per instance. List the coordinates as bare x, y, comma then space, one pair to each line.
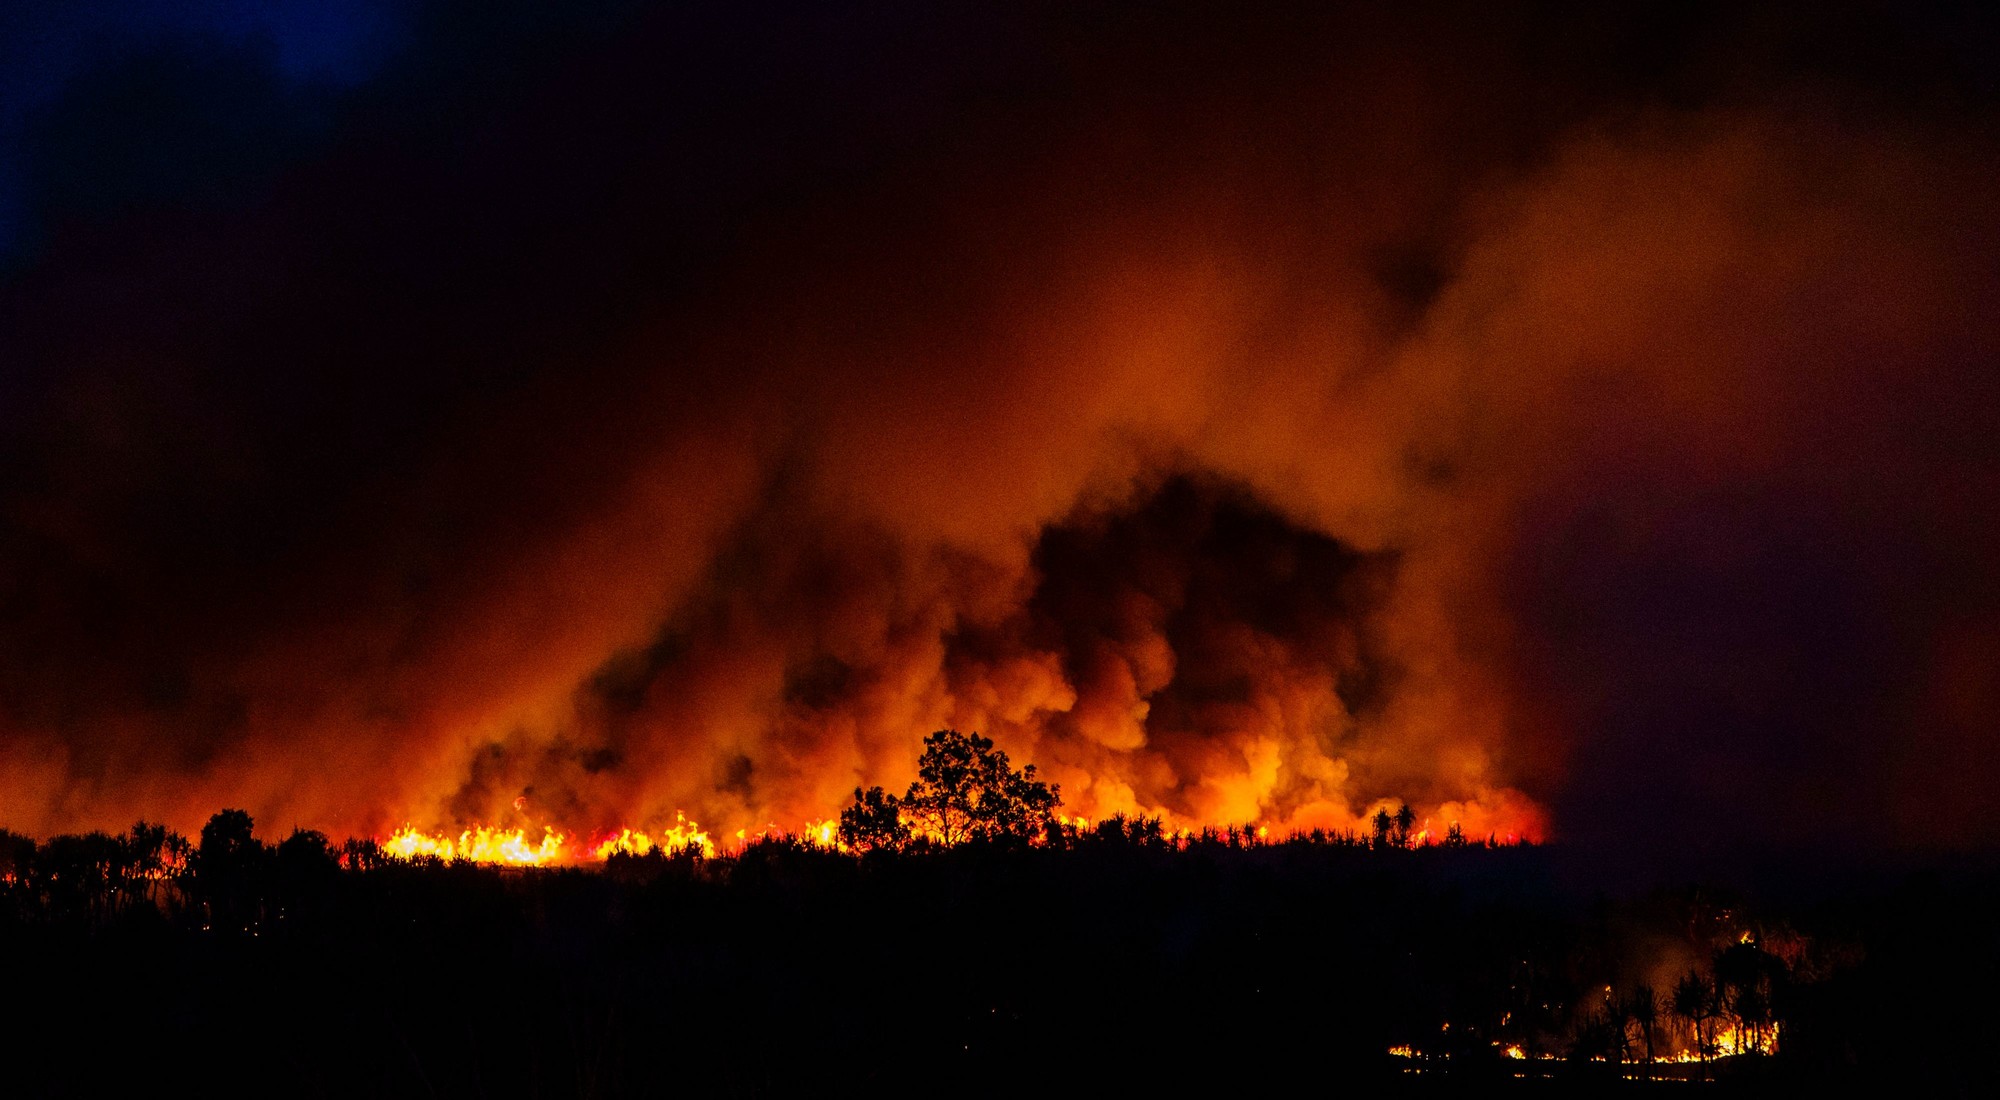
512, 847
480, 844
516, 847
825, 834
681, 836
1727, 1042
1732, 1040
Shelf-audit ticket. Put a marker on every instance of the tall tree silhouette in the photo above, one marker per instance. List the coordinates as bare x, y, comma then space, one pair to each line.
226, 870
157, 855
1406, 819
965, 790
1695, 1001
1746, 977
1642, 1007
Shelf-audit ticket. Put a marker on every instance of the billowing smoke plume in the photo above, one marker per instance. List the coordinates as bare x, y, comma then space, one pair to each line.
1185, 652
1562, 424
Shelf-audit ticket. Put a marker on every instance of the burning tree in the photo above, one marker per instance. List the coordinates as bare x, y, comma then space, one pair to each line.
1696, 1000
965, 790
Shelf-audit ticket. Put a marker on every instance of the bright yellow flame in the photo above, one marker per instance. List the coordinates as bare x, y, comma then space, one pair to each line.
823, 834
1733, 1040
480, 844
511, 847
681, 836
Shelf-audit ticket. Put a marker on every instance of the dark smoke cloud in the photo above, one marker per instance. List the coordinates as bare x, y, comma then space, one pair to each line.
1574, 422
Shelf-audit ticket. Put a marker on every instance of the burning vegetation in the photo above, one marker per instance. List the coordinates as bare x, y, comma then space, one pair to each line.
966, 790
1413, 479
1370, 957
512, 848
1725, 1009
1390, 953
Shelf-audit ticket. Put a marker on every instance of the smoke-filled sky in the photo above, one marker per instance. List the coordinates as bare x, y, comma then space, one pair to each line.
1577, 421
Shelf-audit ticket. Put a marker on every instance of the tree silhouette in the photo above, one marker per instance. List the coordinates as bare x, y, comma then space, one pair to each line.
1695, 1001
226, 866
155, 854
1746, 977
1642, 1007
361, 854
874, 822
17, 857
965, 790
82, 876
1600, 1035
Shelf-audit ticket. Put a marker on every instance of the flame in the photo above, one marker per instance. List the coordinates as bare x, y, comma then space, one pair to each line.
510, 847
1733, 1040
823, 834
1727, 1042
498, 845
683, 835
480, 844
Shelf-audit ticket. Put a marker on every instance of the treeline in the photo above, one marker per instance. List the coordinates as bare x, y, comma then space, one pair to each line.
225, 880
1134, 959
228, 880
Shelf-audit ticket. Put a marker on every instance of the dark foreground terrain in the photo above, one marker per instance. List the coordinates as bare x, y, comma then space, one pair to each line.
1104, 964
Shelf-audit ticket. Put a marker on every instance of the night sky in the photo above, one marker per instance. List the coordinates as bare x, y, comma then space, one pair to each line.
1578, 421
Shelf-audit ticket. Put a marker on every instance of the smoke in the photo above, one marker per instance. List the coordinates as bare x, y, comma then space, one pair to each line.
1582, 434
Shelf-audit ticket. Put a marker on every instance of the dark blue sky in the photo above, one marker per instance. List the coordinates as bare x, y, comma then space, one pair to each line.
47, 47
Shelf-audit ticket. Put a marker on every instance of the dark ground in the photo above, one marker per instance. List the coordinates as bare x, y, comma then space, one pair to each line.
1105, 968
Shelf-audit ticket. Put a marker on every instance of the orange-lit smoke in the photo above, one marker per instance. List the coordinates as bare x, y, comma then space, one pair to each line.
1260, 449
